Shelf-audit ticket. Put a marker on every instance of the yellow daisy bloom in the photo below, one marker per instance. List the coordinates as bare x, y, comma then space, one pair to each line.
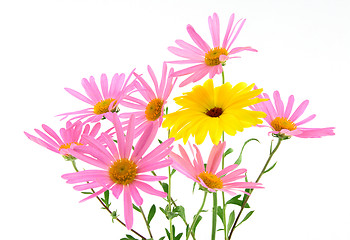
214, 110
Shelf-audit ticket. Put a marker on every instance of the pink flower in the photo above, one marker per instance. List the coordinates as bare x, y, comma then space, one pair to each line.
70, 137
283, 123
102, 103
224, 180
152, 109
206, 59
120, 168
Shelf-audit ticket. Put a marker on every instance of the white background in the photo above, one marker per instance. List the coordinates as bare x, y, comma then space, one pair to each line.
303, 50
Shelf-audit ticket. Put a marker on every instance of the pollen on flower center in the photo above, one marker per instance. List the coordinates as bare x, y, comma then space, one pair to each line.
102, 106
214, 112
154, 109
283, 123
213, 55
123, 171
68, 145
211, 180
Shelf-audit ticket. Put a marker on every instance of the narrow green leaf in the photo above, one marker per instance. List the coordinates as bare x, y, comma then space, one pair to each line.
246, 218
167, 233
231, 219
86, 192
228, 151
194, 185
220, 213
187, 231
162, 238
268, 170
165, 187
196, 223
106, 197
160, 141
178, 236
130, 237
239, 160
236, 201
172, 172
151, 213
136, 208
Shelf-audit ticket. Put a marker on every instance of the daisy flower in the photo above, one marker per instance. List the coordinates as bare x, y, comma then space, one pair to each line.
120, 168
70, 137
101, 103
206, 59
208, 176
285, 124
214, 110
152, 109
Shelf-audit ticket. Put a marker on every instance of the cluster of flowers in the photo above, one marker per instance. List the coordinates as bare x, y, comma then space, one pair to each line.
121, 159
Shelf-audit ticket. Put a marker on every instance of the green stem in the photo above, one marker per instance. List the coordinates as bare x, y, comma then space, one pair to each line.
147, 224
215, 207
75, 166
197, 215
257, 180
169, 205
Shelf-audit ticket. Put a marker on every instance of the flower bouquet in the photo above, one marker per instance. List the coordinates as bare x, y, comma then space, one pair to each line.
115, 139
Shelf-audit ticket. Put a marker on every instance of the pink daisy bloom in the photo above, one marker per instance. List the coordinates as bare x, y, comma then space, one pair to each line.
206, 59
209, 177
283, 123
102, 103
152, 109
120, 168
69, 138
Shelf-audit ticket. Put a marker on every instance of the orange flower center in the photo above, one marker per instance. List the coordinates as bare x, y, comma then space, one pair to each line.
212, 57
102, 106
123, 171
211, 180
283, 123
214, 112
68, 145
154, 109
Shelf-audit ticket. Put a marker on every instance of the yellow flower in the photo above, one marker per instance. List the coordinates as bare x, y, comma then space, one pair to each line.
214, 110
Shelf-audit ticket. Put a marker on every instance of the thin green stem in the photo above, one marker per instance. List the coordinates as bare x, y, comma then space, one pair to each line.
197, 215
75, 165
169, 205
215, 207
257, 180
147, 224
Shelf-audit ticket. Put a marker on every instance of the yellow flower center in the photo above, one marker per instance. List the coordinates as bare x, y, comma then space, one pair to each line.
102, 106
214, 112
212, 57
68, 145
154, 109
211, 180
283, 123
123, 171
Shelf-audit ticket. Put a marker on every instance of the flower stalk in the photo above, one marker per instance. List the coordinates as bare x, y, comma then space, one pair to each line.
257, 180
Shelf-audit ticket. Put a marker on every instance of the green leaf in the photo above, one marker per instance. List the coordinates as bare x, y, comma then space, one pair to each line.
162, 238
246, 218
106, 198
172, 172
196, 223
228, 151
268, 170
181, 211
165, 187
235, 200
194, 185
136, 208
151, 213
248, 190
160, 141
130, 237
220, 213
239, 160
86, 192
178, 236
231, 219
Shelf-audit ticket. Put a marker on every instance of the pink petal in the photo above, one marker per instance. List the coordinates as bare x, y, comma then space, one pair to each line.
148, 189
128, 215
299, 111
197, 39
135, 194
